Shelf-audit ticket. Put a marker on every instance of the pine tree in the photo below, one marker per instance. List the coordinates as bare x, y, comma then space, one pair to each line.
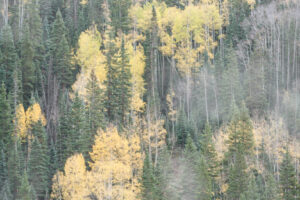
36, 35
38, 165
119, 15
95, 97
271, 190
3, 167
5, 118
209, 152
9, 58
79, 138
124, 89
238, 178
240, 132
5, 191
181, 128
25, 192
27, 65
60, 51
252, 192
15, 166
148, 182
288, 178
190, 148
111, 82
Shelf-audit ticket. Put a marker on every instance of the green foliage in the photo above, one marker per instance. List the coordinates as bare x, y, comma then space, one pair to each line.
182, 128
95, 97
118, 86
5, 118
119, 15
238, 178
15, 166
288, 180
9, 58
60, 52
252, 192
28, 67
38, 165
151, 182
25, 191
240, 132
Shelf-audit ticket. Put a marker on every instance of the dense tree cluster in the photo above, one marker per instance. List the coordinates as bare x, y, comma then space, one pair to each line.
153, 100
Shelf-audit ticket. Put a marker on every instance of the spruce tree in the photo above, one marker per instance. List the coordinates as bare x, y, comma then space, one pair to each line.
60, 51
238, 178
111, 82
147, 180
9, 58
25, 192
38, 165
5, 119
15, 166
209, 152
3, 167
271, 189
78, 137
119, 15
124, 89
240, 132
95, 97
252, 192
288, 178
27, 65
5, 191
181, 128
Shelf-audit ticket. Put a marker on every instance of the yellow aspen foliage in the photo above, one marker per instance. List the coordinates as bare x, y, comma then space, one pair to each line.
20, 122
155, 134
71, 184
34, 114
137, 66
172, 111
83, 2
89, 58
113, 165
25, 120
185, 34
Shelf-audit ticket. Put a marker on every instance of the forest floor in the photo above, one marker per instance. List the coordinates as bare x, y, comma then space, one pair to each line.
181, 181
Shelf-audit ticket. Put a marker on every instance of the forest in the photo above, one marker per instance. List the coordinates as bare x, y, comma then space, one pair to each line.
149, 100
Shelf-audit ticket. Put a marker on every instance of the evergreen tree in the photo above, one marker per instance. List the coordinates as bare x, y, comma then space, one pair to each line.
190, 148
252, 192
3, 168
288, 178
5, 118
182, 129
209, 152
120, 19
38, 165
238, 178
78, 138
60, 51
271, 190
124, 89
95, 97
25, 192
27, 65
111, 82
9, 58
15, 166
240, 132
205, 187
5, 192
148, 187
36, 35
